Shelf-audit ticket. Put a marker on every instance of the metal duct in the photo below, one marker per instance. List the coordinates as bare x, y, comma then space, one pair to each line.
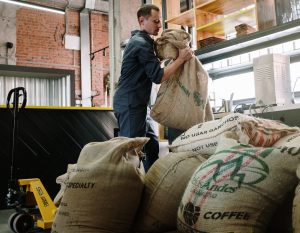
97, 5
86, 82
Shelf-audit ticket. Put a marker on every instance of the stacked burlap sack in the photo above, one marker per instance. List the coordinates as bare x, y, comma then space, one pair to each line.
108, 191
182, 100
247, 177
104, 190
296, 205
234, 174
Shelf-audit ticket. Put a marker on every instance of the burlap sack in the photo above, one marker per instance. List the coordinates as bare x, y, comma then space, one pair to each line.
204, 137
291, 140
165, 183
104, 194
296, 206
62, 180
167, 45
263, 132
237, 189
182, 100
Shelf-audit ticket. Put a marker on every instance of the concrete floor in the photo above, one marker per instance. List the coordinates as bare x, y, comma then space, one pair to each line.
4, 227
4, 215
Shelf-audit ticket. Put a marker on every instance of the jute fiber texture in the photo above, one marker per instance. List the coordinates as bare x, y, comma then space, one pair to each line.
165, 183
104, 194
292, 142
296, 206
204, 137
62, 180
263, 132
182, 100
238, 189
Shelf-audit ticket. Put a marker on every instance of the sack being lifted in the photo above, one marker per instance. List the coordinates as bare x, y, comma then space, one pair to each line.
182, 100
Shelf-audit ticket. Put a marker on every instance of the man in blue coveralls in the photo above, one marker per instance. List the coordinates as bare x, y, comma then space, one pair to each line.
141, 67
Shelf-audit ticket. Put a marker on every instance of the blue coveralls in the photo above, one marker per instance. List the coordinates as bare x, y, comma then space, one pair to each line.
140, 68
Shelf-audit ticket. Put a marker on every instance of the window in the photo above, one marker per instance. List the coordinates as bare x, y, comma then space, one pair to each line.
235, 74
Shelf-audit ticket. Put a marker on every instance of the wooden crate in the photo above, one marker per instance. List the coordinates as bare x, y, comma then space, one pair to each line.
244, 29
209, 41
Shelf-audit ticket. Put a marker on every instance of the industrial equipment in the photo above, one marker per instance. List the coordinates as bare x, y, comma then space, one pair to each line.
35, 209
272, 80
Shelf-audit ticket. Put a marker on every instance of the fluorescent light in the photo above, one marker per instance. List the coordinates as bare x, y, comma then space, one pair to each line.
34, 6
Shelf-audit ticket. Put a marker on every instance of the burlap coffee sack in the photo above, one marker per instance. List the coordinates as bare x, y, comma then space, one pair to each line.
237, 189
263, 132
165, 183
204, 137
167, 45
182, 100
104, 194
291, 140
62, 180
296, 206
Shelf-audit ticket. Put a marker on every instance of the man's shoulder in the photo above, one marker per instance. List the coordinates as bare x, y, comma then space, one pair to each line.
140, 37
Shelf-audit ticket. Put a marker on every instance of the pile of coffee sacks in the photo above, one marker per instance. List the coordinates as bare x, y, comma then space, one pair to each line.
234, 174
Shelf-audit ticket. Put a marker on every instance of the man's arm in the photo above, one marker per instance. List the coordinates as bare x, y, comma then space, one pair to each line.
184, 55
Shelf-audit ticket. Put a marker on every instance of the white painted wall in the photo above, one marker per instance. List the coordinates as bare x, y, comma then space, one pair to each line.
7, 33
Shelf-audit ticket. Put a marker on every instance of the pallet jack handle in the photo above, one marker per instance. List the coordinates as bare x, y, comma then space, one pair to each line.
17, 93
16, 109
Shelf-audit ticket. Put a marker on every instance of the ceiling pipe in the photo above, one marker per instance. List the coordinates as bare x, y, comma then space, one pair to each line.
67, 17
34, 6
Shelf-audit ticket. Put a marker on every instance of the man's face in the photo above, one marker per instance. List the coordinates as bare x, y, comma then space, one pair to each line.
152, 24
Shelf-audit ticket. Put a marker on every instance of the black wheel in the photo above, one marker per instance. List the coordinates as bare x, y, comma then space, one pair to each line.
23, 223
11, 220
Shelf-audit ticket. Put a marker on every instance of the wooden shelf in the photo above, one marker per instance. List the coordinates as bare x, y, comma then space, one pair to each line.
212, 18
186, 18
254, 41
223, 7
226, 24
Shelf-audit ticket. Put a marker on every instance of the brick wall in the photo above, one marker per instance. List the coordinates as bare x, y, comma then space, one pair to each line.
100, 63
40, 43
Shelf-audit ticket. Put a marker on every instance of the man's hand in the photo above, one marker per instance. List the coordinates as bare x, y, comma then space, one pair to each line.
185, 54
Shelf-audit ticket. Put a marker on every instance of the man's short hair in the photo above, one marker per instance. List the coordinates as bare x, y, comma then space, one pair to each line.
145, 10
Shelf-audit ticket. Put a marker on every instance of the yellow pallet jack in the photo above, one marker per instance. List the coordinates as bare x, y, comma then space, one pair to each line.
35, 210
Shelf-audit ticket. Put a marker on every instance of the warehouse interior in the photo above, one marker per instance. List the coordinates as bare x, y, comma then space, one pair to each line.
61, 60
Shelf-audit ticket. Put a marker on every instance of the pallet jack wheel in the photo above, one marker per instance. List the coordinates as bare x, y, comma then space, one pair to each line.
22, 223
11, 220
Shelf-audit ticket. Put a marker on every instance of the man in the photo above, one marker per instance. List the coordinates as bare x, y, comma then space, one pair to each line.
141, 67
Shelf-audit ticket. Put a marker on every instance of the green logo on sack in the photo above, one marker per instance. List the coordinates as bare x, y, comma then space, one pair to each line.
198, 99
242, 165
184, 89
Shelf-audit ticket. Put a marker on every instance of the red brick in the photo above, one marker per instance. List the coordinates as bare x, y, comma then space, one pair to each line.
40, 44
